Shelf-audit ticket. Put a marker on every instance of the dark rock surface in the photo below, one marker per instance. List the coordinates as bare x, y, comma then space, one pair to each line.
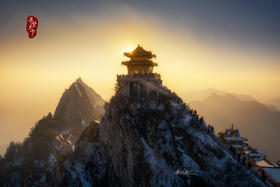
143, 141
36, 161
79, 106
140, 141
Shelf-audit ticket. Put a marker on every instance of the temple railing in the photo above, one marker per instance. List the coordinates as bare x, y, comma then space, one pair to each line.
146, 76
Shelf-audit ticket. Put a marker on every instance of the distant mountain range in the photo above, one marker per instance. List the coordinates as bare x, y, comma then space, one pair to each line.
198, 95
258, 122
275, 102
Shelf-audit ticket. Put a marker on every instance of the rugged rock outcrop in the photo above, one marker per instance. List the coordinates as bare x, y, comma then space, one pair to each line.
88, 165
148, 139
143, 141
79, 106
36, 162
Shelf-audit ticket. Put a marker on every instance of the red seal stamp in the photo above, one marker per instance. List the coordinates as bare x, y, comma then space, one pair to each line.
31, 26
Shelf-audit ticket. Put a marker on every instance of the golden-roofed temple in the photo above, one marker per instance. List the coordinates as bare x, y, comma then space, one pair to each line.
140, 79
140, 61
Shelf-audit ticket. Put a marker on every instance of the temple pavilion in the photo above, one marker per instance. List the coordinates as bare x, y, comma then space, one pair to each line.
140, 61
140, 79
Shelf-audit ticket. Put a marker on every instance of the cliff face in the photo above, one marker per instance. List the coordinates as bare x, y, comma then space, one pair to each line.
150, 137
89, 164
144, 140
79, 106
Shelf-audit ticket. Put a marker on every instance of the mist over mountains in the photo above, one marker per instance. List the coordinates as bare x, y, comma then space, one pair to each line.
275, 102
258, 122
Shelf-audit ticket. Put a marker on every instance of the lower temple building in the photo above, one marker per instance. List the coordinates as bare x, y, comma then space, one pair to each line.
251, 157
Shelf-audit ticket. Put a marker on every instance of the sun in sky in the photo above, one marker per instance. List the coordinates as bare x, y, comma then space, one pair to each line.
128, 49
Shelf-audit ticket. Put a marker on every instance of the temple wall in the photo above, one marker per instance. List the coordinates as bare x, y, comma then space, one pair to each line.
139, 85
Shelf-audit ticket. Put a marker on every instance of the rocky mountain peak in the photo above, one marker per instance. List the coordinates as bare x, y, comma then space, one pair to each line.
149, 137
52, 139
79, 105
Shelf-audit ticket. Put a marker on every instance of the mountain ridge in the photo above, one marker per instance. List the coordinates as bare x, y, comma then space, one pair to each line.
145, 138
255, 120
145, 135
27, 164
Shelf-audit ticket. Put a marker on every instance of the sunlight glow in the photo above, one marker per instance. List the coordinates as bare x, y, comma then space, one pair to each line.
129, 49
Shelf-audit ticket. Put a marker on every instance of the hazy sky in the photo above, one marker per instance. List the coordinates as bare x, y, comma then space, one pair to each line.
230, 45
